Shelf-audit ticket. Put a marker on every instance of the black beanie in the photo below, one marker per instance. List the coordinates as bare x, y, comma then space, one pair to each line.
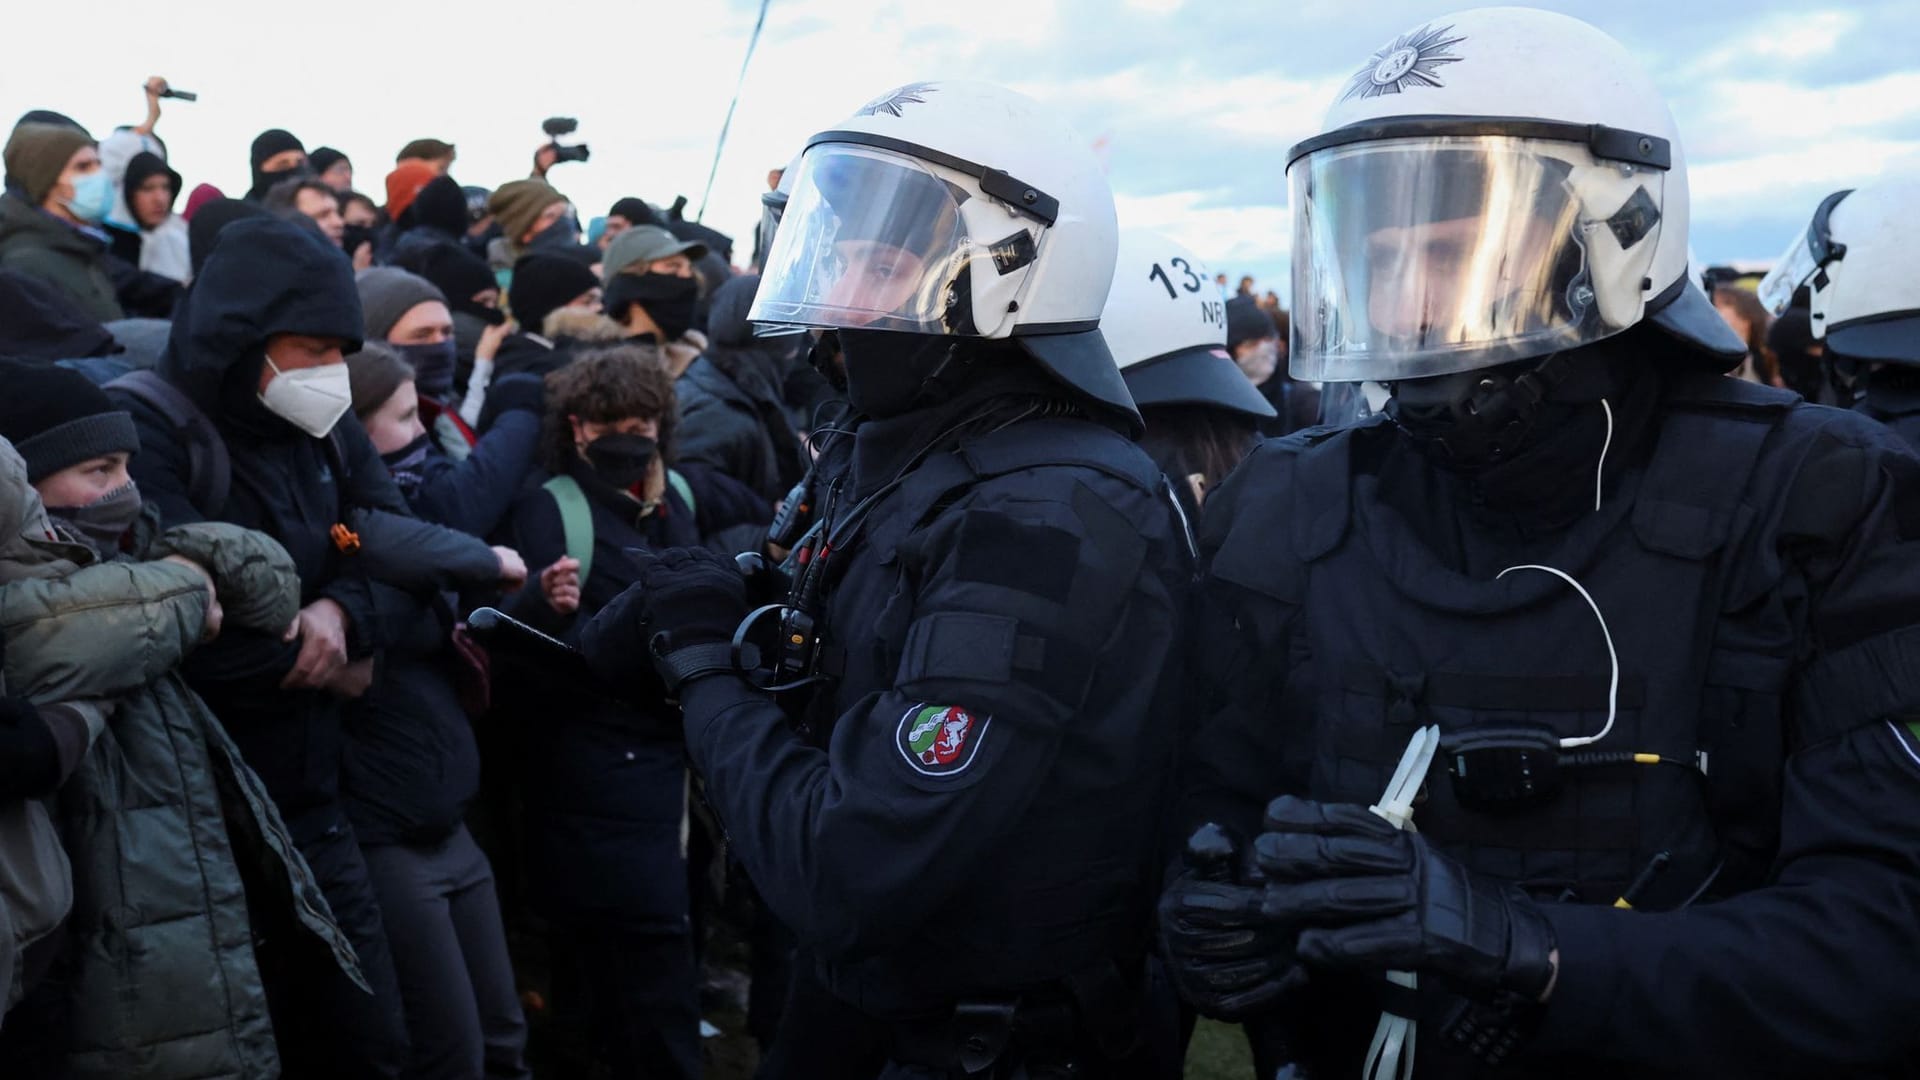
456, 272
636, 211
58, 418
440, 204
1248, 321
544, 283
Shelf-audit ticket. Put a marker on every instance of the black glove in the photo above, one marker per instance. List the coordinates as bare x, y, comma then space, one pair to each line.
691, 600
527, 392
1375, 898
1223, 953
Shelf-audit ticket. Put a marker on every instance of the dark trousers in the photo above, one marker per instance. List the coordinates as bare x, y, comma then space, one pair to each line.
631, 996
450, 952
328, 1027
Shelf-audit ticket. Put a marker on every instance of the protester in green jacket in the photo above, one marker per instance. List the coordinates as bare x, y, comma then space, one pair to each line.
163, 808
50, 220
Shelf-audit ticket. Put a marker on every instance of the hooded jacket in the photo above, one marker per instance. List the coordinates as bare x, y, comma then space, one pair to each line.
269, 277
35, 242
731, 413
131, 158
179, 857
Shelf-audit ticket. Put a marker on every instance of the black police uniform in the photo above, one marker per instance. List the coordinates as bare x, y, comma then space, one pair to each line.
962, 825
1757, 562
1892, 396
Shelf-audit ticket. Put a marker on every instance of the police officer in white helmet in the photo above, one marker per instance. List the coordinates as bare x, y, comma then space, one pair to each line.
1562, 716
947, 770
1166, 323
1859, 260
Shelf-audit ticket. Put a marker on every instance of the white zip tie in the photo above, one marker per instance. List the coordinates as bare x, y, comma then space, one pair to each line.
1390, 1055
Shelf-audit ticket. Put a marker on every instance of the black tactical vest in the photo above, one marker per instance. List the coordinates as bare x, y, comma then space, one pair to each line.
1389, 639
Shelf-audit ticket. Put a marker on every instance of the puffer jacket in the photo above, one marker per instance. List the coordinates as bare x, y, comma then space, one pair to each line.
169, 833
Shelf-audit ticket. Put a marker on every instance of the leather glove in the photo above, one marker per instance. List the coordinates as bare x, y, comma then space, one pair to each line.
692, 600
1374, 898
1224, 954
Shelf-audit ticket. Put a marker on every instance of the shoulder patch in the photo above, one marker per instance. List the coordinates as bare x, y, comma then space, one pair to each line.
940, 740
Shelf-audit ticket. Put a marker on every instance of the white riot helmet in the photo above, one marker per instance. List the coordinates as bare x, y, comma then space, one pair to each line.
1860, 260
1491, 186
1166, 324
958, 209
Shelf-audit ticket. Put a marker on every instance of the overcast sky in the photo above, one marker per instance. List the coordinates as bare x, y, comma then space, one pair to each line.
1191, 103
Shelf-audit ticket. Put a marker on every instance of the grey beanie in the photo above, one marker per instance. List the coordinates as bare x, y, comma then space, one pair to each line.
387, 293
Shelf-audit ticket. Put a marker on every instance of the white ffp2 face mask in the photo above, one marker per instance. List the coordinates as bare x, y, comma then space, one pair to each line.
311, 399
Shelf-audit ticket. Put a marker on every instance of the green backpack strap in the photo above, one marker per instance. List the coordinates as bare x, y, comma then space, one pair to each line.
576, 521
680, 485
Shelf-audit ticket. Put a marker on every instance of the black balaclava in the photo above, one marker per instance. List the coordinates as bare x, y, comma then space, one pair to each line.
265, 145
889, 372
667, 298
1543, 481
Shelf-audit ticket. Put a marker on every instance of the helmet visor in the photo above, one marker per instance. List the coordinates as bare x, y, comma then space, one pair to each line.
1803, 260
1793, 269
1426, 256
869, 239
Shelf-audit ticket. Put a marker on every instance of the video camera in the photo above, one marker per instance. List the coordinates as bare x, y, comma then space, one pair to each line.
556, 126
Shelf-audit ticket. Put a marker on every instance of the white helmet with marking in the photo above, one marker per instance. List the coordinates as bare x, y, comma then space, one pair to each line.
1491, 186
1860, 260
1166, 324
952, 208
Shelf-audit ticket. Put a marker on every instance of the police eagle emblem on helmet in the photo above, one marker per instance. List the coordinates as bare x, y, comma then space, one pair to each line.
891, 101
1412, 59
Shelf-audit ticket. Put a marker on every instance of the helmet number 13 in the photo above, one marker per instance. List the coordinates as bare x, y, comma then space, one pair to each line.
1159, 274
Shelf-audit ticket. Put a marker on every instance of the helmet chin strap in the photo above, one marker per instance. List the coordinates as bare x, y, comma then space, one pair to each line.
1474, 418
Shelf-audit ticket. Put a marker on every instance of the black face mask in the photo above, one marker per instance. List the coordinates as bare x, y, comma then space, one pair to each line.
556, 237
824, 356
667, 299
263, 182
890, 373
353, 236
1472, 419
621, 460
432, 366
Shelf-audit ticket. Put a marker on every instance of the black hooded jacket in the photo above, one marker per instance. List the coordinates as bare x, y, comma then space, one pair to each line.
733, 417
271, 277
